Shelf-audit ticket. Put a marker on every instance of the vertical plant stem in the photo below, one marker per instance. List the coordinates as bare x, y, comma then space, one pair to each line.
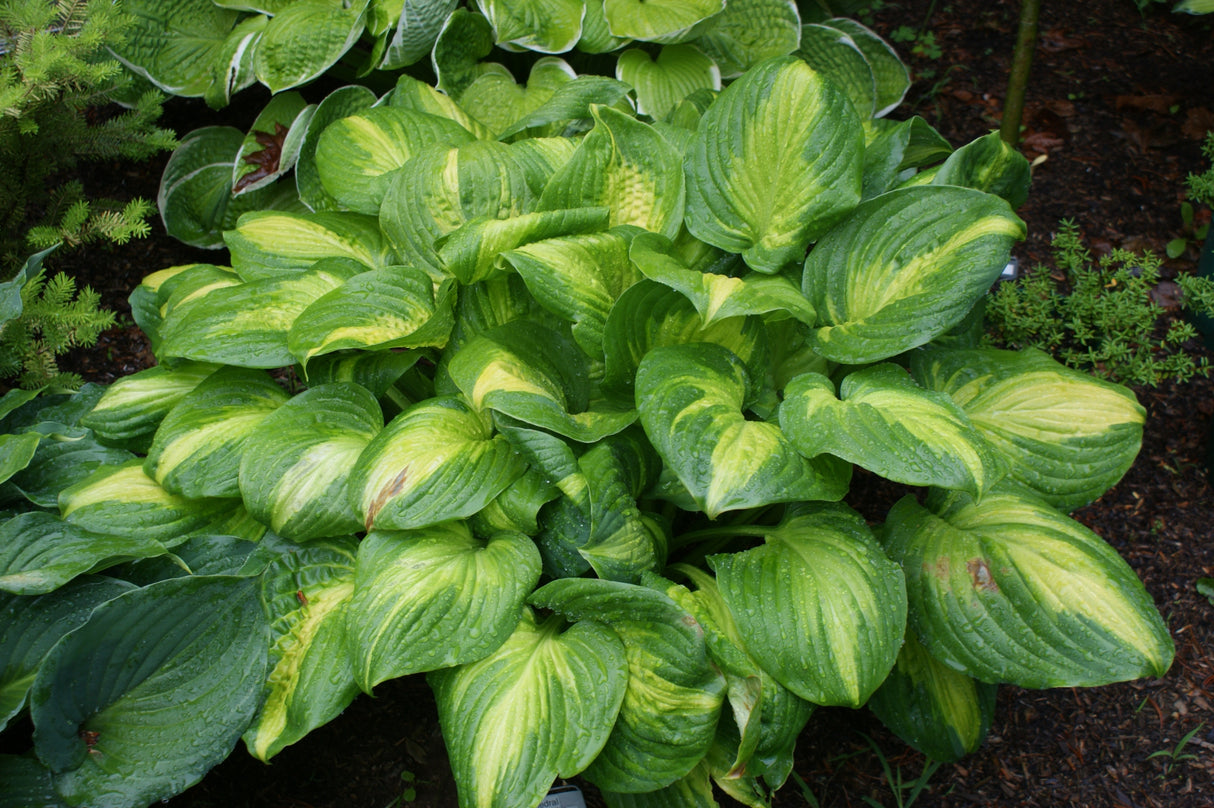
1022, 62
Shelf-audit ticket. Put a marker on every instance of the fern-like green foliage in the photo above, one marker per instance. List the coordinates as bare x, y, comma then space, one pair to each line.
1100, 315
1201, 186
57, 80
54, 318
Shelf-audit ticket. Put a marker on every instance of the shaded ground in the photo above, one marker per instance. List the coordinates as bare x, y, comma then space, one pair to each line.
1118, 105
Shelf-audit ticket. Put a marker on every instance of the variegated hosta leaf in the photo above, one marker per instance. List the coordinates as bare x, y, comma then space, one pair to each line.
819, 606
545, 26
393, 307
883, 421
416, 29
568, 111
517, 508
246, 325
498, 102
63, 457
717, 297
626, 166
775, 162
184, 660
268, 243
30, 625
251, 168
133, 406
196, 450
891, 79
444, 188
658, 20
196, 187
295, 468
175, 44
124, 501
537, 376
988, 164
305, 39
437, 460
904, 268
464, 40
339, 104
578, 278
941, 712
311, 676
670, 709
1010, 590
540, 158
596, 36
691, 400
538, 708
472, 252
357, 155
897, 147
692, 791
749, 31
435, 597
768, 716
39, 552
833, 54
416, 95
375, 370
660, 85
649, 315
232, 68
1068, 436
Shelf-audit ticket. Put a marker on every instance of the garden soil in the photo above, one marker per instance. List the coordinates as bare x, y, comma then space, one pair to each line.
1117, 106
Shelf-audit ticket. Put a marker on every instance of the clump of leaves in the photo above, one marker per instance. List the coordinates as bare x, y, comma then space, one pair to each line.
57, 81
1100, 315
40, 319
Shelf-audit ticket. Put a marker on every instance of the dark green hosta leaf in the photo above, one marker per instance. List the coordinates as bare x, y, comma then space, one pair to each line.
464, 40
626, 166
1068, 436
437, 460
988, 164
16, 452
691, 791
267, 138
305, 39
356, 156
661, 84
658, 20
670, 710
267, 243
650, 315
891, 79
133, 407
393, 307
1010, 590
883, 421
311, 677
295, 467
446, 187
904, 268
716, 296
545, 26
691, 400
417, 25
29, 626
538, 708
896, 147
176, 44
749, 31
622, 543
27, 783
596, 36
819, 605
941, 712
336, 105
537, 376
776, 161
247, 325
833, 54
196, 451
578, 278
435, 597
64, 457
375, 370
184, 661
473, 251
124, 501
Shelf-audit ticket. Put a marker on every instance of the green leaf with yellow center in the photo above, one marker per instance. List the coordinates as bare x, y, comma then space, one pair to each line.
266, 243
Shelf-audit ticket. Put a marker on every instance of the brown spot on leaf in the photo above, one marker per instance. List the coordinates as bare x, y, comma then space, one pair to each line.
90, 738
386, 493
265, 159
980, 574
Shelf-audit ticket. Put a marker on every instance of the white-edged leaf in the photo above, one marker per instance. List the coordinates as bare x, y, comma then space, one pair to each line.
661, 84
305, 39
749, 31
266, 243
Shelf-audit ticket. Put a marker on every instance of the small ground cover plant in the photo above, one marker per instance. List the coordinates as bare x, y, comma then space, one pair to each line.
556, 400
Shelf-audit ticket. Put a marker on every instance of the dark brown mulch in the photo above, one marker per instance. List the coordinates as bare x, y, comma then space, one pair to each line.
1118, 104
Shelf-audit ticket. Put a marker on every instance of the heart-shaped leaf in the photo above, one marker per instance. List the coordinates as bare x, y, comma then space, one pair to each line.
661, 84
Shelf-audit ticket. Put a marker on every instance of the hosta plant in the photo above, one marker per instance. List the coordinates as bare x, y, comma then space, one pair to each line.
561, 410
